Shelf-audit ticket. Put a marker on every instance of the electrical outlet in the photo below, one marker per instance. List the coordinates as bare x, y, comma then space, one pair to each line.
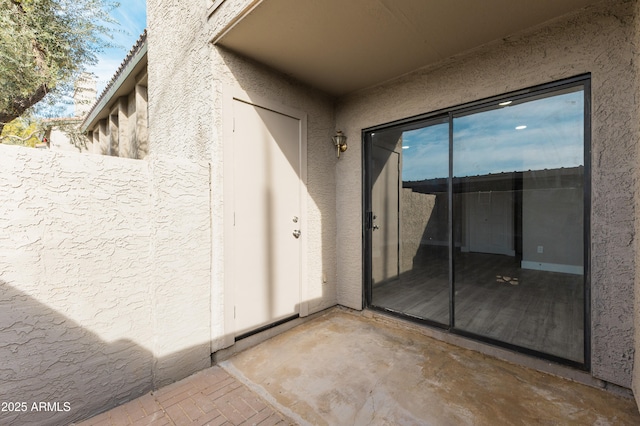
540, 249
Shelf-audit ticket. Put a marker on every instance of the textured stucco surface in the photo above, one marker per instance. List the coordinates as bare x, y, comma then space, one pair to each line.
321, 162
599, 41
187, 81
181, 267
112, 269
103, 262
188, 78
181, 119
636, 312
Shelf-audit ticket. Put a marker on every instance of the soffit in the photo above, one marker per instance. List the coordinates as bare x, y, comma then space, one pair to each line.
132, 71
341, 46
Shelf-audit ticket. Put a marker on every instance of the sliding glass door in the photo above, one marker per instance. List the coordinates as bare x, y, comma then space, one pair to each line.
409, 220
476, 219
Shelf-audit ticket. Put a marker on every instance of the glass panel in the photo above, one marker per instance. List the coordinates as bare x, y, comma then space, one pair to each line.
410, 266
518, 173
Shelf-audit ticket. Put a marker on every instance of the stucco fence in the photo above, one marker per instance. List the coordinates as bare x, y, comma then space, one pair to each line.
104, 280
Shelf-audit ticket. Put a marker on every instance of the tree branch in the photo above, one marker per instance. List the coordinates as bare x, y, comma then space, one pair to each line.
18, 3
21, 104
21, 139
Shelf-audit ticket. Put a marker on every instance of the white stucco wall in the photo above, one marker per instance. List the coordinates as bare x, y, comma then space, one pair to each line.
187, 80
103, 264
599, 41
180, 277
112, 269
187, 76
60, 141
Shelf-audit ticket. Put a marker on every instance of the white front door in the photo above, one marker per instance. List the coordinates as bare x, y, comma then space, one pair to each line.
267, 216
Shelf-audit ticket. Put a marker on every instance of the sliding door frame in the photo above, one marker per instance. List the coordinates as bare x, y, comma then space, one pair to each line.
583, 80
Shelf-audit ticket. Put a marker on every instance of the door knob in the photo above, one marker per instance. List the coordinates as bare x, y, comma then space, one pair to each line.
296, 233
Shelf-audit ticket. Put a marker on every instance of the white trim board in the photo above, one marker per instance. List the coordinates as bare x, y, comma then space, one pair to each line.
552, 267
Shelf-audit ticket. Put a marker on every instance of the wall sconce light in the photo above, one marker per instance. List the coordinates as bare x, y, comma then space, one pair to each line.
340, 141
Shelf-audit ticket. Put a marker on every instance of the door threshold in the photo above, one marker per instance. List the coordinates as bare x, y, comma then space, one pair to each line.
266, 327
256, 337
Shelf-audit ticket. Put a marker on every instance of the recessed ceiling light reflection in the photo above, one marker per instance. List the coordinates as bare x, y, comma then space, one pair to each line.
505, 103
405, 147
521, 127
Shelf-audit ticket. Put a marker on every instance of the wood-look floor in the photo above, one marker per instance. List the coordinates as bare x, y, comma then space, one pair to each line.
494, 297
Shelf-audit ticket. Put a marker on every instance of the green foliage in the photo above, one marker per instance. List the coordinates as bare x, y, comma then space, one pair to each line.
22, 131
30, 131
44, 45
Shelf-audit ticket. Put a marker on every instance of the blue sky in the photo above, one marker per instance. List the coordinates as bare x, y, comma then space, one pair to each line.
132, 17
488, 142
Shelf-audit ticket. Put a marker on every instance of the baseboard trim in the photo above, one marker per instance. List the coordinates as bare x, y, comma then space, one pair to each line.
552, 267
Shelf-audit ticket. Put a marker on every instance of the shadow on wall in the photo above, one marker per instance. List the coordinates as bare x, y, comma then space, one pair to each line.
54, 371
255, 78
48, 358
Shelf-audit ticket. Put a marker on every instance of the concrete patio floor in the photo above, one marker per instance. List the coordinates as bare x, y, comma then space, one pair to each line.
344, 368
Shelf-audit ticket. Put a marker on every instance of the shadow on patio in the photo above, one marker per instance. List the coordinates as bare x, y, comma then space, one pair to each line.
348, 368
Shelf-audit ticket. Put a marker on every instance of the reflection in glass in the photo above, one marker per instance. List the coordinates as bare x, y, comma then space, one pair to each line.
516, 225
518, 176
410, 270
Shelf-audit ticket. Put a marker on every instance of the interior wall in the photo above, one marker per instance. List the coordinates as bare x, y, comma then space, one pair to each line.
103, 262
488, 219
552, 219
598, 40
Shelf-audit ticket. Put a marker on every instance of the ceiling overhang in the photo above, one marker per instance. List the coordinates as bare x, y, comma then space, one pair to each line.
341, 46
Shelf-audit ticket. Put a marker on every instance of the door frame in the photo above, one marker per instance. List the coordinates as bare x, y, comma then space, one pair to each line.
583, 80
230, 95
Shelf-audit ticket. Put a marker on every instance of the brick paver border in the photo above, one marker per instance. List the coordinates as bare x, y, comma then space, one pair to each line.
211, 397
